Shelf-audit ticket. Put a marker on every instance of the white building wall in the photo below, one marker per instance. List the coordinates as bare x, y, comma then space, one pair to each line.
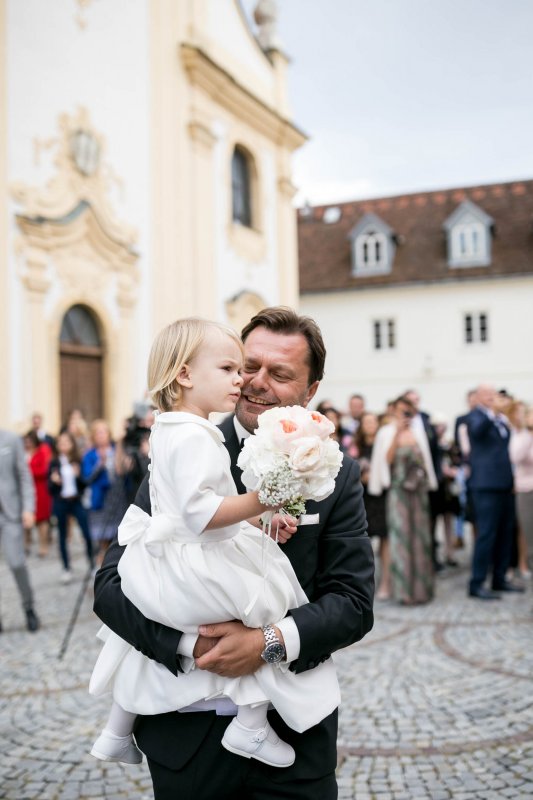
430, 354
53, 67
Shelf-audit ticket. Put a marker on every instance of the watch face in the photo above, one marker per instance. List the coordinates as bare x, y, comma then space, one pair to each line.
273, 653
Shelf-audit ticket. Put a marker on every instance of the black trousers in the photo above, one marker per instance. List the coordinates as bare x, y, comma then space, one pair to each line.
495, 523
216, 774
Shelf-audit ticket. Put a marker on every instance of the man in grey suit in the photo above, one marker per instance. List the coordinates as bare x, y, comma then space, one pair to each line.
17, 504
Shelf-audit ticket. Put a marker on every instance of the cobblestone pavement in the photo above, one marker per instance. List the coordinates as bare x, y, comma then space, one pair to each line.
437, 700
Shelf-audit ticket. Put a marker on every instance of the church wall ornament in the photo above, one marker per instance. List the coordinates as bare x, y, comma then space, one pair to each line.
73, 209
72, 248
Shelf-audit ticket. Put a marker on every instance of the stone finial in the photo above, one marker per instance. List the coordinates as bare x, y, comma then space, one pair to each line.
266, 17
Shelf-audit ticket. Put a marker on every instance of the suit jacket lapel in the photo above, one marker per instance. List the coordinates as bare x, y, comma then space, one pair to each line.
233, 447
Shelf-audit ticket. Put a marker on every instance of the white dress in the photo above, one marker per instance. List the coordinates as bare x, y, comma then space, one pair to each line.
182, 576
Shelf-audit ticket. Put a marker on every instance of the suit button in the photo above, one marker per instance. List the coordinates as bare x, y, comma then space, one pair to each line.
311, 665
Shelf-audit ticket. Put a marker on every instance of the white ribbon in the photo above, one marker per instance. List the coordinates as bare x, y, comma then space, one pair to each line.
156, 530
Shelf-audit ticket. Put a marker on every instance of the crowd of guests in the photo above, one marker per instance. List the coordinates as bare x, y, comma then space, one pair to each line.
414, 475
81, 475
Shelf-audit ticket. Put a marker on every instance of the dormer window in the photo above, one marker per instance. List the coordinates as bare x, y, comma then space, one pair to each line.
468, 232
373, 247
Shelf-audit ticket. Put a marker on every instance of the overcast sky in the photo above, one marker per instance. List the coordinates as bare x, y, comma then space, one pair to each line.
406, 95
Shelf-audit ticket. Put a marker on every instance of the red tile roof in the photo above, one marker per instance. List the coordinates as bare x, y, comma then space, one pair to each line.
417, 220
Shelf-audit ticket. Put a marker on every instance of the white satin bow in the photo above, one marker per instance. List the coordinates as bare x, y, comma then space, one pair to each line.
156, 530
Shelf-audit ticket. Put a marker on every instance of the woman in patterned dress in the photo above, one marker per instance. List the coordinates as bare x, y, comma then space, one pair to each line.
401, 463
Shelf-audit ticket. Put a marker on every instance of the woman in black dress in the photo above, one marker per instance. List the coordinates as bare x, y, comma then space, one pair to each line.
375, 505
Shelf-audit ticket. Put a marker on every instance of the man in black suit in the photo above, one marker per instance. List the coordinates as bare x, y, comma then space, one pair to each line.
491, 488
333, 559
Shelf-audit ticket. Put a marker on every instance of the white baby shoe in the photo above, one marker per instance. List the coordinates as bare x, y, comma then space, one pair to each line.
263, 744
109, 747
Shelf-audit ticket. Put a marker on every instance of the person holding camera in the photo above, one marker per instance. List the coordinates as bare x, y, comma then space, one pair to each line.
401, 463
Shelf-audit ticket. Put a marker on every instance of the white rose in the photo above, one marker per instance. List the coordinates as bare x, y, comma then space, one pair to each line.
319, 425
305, 454
268, 420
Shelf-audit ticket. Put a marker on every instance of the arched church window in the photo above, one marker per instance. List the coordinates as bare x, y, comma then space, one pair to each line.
241, 186
79, 328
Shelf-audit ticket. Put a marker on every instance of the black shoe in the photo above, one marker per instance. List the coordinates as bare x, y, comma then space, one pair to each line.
483, 594
507, 586
439, 567
451, 562
32, 620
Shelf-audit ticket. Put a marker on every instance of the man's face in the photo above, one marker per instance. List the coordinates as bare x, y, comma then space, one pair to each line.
357, 407
486, 395
414, 397
275, 373
36, 422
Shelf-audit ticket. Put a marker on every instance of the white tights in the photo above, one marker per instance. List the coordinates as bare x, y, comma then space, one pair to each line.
121, 722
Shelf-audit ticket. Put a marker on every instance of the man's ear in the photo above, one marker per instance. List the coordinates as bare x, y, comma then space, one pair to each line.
184, 377
311, 391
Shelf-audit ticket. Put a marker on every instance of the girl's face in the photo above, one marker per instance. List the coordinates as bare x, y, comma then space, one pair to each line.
529, 417
212, 380
63, 444
369, 424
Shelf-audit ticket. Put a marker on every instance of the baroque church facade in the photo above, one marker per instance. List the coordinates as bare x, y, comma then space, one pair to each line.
145, 174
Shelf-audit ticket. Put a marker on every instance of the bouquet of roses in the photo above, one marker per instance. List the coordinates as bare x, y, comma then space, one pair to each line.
290, 459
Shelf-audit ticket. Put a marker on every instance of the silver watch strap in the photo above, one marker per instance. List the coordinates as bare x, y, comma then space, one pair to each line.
270, 635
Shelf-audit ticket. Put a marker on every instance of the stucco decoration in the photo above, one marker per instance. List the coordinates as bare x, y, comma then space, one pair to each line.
69, 230
80, 18
266, 17
242, 307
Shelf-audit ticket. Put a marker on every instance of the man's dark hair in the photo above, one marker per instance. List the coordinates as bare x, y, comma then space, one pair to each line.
405, 400
357, 397
282, 319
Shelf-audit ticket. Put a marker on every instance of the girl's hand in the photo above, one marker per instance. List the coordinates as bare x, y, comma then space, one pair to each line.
55, 477
283, 527
76, 469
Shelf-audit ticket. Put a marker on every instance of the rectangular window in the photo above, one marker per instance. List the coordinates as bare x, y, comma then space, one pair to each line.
377, 335
468, 329
476, 328
384, 334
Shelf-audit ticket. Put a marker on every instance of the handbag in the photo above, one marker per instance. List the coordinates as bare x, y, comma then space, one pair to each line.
415, 478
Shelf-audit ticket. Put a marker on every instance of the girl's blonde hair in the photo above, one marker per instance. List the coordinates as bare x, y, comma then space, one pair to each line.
173, 348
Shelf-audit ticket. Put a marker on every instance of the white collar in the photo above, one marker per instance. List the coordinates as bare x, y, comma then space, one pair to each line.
241, 432
177, 417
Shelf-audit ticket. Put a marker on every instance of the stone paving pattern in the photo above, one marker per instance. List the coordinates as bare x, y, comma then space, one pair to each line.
437, 700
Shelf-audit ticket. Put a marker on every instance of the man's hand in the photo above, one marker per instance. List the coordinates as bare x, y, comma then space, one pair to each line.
237, 650
203, 645
28, 519
283, 527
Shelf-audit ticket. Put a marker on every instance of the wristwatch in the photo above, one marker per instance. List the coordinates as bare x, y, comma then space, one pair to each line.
274, 650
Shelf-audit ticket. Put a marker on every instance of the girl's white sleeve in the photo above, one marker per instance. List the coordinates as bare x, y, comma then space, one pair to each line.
196, 471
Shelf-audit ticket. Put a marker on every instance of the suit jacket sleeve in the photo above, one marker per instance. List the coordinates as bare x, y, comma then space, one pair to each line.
341, 611
24, 478
478, 425
154, 640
